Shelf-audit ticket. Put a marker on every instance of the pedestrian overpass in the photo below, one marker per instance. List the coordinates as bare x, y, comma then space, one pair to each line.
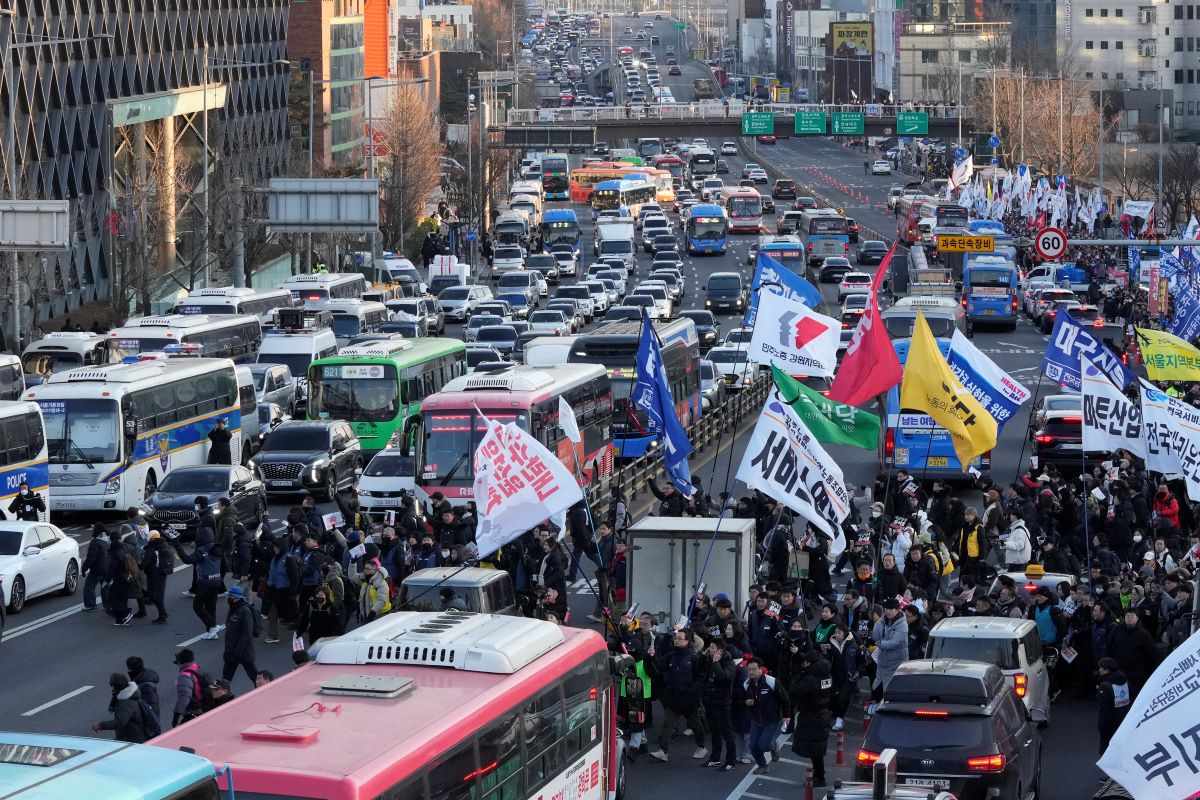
713, 118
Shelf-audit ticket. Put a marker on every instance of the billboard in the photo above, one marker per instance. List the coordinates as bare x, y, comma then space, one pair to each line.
849, 68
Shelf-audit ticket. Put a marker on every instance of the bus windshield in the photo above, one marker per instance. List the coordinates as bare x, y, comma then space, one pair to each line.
827, 225
745, 206
346, 325
82, 431
451, 438
604, 199
47, 362
708, 227
566, 231
992, 278
355, 392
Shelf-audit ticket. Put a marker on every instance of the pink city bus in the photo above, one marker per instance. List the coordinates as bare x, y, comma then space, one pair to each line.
425, 706
744, 206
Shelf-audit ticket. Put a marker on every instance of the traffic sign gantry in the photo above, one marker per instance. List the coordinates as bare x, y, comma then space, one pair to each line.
810, 122
757, 123
680, 26
1050, 243
912, 123
847, 122
956, 243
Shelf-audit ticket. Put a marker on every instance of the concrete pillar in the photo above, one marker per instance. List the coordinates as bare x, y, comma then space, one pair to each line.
238, 279
168, 207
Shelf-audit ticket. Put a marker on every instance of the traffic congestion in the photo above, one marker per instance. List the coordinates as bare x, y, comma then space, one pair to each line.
740, 466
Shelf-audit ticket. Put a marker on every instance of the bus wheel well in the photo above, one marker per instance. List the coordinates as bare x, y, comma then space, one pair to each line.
151, 484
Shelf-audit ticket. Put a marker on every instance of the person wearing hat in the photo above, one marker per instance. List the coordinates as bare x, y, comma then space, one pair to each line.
191, 688
1053, 558
158, 561
219, 438
242, 626
891, 641
1115, 698
221, 692
811, 697
27, 505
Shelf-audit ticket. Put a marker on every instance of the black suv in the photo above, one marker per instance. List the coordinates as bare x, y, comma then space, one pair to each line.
173, 504
784, 189
958, 726
1060, 441
316, 456
725, 293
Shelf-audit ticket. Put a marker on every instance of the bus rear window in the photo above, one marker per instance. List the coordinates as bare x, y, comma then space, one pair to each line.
992, 277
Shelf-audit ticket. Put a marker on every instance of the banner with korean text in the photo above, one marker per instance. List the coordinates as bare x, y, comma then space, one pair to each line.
1172, 437
1111, 421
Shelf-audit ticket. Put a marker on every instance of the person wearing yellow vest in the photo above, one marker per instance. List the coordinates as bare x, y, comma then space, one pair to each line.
968, 545
635, 705
374, 598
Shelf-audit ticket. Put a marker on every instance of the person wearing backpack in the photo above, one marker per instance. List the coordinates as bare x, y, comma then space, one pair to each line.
280, 588
241, 560
242, 626
147, 682
206, 559
192, 693
126, 706
126, 573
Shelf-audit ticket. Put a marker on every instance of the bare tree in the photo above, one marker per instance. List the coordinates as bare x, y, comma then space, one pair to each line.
411, 171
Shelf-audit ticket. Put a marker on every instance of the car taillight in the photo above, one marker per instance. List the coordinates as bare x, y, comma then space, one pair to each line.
964, 301
1098, 323
986, 763
1043, 438
810, 246
889, 443
926, 712
1014, 304
866, 758
1020, 685
845, 248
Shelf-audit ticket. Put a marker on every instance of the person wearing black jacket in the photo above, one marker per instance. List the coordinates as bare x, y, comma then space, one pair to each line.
811, 694
241, 559
762, 630
718, 695
683, 678
28, 505
1134, 650
240, 627
219, 437
280, 588
918, 631
671, 500
1115, 698
917, 569
158, 561
206, 558
1053, 558
891, 581
95, 566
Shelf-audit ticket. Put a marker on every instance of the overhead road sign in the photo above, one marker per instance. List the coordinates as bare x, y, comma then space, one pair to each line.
912, 123
810, 122
758, 123
848, 123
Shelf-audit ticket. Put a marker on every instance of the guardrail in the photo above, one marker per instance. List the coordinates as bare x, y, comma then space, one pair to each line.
707, 109
712, 426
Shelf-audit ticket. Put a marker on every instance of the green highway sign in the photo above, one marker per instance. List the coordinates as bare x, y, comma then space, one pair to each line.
847, 122
912, 123
756, 123
810, 122
680, 26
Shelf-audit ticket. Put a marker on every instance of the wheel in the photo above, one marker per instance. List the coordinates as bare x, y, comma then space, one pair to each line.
245, 454
70, 579
331, 485
16, 595
151, 485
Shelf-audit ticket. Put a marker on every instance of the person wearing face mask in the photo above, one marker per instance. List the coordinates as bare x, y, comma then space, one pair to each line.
242, 626
374, 598
427, 555
890, 581
891, 641
968, 542
27, 505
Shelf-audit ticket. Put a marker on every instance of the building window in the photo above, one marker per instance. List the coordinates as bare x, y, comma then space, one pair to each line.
1088, 13
1104, 12
1179, 76
964, 56
1089, 45
1191, 109
1191, 44
1178, 12
1120, 45
1190, 11
1104, 45
1191, 73
1088, 75
1178, 44
1120, 12
929, 56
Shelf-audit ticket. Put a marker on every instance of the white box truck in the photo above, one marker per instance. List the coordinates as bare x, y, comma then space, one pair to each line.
668, 554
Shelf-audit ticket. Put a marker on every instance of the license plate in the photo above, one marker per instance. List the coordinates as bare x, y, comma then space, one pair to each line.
385, 501
989, 311
177, 526
1069, 445
939, 461
928, 783
279, 483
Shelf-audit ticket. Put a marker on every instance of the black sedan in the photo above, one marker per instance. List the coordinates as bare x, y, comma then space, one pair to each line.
870, 252
173, 504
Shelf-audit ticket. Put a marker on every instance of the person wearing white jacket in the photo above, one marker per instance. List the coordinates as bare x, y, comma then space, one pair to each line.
1016, 544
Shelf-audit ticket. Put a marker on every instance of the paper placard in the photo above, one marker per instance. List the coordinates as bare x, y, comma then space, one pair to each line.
334, 520
358, 551
297, 643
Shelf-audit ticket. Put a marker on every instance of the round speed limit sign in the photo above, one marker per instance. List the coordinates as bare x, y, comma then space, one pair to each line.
1050, 243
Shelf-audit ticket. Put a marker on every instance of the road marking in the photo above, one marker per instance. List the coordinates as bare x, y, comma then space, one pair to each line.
56, 701
192, 640
49, 619
754, 796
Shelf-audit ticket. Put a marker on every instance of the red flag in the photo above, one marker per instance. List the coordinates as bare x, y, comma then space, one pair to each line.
870, 366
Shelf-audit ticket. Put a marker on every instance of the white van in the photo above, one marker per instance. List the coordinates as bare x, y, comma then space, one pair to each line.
473, 589
297, 345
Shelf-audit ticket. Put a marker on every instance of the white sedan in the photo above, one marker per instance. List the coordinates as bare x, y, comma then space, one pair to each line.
854, 283
550, 322
36, 558
881, 167
728, 149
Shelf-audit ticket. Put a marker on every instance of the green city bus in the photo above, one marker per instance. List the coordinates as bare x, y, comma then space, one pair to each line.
375, 386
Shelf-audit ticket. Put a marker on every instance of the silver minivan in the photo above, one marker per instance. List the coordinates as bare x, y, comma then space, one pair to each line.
482, 591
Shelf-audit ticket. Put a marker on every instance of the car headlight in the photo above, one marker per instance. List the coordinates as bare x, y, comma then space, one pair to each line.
113, 486
365, 493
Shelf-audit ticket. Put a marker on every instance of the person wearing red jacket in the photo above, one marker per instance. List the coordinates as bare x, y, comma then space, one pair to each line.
1166, 506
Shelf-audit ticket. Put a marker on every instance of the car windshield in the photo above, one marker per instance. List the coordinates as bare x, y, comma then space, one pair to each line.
387, 465
900, 326
300, 438
484, 320
540, 262
1001, 652
478, 355
724, 282
194, 481
906, 732
728, 357
82, 431
455, 293
707, 371
297, 362
515, 300
507, 252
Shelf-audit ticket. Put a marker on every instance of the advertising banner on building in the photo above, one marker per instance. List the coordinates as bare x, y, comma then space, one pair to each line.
850, 66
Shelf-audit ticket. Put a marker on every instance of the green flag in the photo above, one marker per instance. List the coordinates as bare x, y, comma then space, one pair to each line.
830, 422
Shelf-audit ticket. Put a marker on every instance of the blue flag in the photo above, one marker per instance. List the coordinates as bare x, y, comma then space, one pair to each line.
1186, 322
1135, 262
780, 280
1070, 340
652, 394
998, 392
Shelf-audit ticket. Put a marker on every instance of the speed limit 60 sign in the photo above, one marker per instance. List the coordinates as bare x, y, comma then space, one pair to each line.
1050, 244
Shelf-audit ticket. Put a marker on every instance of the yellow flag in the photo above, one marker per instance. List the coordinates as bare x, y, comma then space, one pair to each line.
1167, 357
930, 386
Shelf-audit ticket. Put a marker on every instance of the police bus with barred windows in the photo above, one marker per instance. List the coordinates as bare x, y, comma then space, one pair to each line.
223, 336
214, 301
315, 287
62, 350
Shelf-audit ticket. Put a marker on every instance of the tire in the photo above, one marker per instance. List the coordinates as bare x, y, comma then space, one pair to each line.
151, 485
331, 485
70, 579
16, 595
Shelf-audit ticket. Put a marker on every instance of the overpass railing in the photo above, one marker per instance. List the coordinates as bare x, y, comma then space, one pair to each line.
708, 109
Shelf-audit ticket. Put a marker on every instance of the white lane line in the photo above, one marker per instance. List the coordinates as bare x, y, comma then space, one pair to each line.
191, 641
49, 619
754, 796
56, 701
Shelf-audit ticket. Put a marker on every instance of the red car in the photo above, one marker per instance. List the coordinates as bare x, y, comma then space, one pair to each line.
674, 70
766, 138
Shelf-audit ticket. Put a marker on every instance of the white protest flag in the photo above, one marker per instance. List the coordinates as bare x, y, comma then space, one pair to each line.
786, 462
795, 338
518, 484
1155, 754
1111, 421
1172, 438
567, 421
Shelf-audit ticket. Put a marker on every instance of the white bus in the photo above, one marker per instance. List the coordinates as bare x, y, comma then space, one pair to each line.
12, 377
223, 336
326, 285
260, 303
352, 317
114, 431
62, 350
23, 455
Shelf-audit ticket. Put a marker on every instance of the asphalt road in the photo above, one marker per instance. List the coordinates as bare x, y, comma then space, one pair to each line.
58, 658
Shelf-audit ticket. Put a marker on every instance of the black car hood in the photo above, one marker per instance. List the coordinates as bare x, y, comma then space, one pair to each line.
164, 501
291, 456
